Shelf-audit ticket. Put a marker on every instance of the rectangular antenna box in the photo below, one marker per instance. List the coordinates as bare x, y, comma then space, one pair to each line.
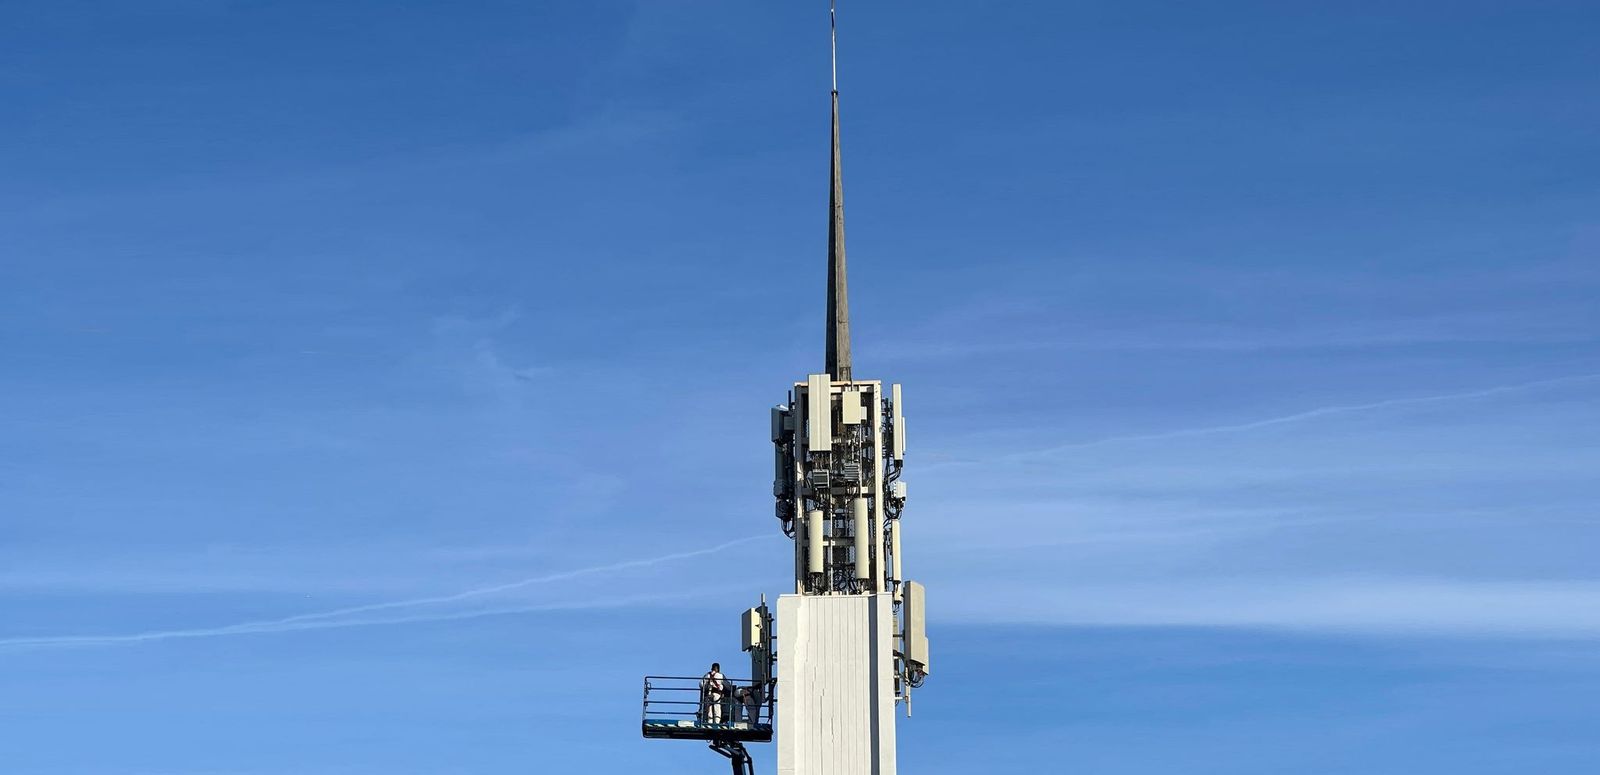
916, 624
750, 627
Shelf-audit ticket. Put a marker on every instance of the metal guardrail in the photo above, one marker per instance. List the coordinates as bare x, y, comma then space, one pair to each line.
681, 707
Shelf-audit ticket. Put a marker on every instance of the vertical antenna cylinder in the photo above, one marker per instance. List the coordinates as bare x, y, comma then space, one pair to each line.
894, 548
863, 530
814, 541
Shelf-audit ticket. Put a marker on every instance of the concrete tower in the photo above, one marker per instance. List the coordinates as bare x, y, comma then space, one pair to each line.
850, 639
849, 642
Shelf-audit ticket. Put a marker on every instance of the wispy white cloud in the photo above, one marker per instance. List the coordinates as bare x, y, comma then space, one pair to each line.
1288, 419
943, 349
1440, 514
1387, 606
1111, 527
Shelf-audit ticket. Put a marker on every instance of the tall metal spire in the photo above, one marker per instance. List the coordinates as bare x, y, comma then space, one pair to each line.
838, 288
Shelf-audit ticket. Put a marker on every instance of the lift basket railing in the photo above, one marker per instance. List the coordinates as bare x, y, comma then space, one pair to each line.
683, 707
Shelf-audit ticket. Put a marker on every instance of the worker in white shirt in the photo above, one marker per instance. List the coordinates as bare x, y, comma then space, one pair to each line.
712, 688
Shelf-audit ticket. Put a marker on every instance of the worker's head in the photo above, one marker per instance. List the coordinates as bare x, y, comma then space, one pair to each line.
716, 668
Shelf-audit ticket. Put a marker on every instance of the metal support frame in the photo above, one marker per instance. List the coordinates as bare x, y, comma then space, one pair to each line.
738, 757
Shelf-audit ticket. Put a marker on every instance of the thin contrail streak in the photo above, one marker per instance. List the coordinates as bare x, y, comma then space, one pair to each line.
518, 584
320, 619
1312, 414
446, 616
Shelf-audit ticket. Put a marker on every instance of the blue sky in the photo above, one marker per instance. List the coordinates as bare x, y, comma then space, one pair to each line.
385, 386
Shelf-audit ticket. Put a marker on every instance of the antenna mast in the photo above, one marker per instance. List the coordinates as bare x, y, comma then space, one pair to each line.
833, 41
838, 341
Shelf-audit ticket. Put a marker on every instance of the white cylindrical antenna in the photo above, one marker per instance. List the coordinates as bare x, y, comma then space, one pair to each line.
814, 541
894, 549
863, 530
